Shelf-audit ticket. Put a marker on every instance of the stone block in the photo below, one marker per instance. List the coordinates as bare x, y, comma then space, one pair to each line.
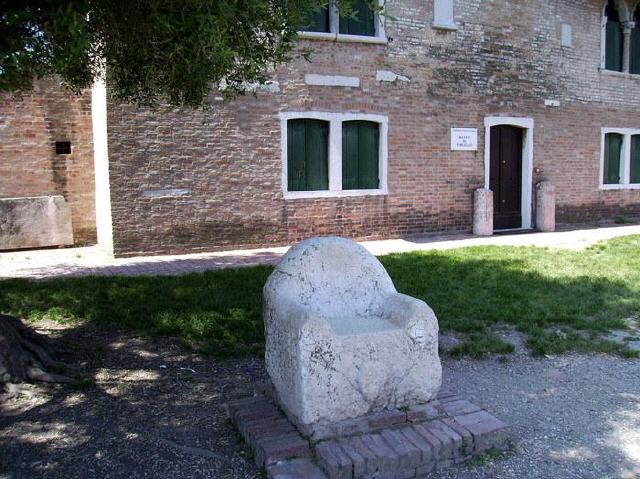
459, 407
271, 450
357, 458
545, 206
341, 342
483, 212
426, 449
388, 459
434, 441
333, 460
467, 437
454, 437
35, 222
422, 412
371, 459
487, 430
410, 456
386, 419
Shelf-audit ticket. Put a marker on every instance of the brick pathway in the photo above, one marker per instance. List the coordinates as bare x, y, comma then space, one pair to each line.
93, 261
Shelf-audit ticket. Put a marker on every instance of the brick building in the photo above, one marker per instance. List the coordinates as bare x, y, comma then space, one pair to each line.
358, 141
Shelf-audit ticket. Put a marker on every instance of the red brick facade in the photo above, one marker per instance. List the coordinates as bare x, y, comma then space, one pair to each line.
30, 125
505, 59
185, 181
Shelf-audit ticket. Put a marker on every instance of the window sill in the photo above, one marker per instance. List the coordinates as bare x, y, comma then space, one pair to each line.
450, 27
631, 186
297, 195
613, 73
343, 38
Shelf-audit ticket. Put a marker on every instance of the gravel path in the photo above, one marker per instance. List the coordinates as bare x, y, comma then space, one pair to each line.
155, 411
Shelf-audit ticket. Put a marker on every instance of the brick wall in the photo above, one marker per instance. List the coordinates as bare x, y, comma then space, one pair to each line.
29, 127
504, 60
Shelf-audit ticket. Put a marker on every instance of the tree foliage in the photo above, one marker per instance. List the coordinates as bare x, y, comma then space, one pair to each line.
153, 50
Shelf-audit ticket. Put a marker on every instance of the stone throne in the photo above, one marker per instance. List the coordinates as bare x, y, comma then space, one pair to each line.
341, 342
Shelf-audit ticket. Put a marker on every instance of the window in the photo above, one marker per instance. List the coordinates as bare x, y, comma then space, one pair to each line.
620, 163
333, 154
364, 25
635, 159
63, 147
362, 22
612, 158
307, 155
443, 15
319, 21
360, 155
613, 38
634, 63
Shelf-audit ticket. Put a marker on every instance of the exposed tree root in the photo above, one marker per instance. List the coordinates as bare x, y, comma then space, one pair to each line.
25, 356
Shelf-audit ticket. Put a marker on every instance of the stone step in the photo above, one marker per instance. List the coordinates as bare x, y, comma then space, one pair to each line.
410, 451
382, 445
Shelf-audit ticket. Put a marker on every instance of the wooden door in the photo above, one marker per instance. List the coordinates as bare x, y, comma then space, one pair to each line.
505, 178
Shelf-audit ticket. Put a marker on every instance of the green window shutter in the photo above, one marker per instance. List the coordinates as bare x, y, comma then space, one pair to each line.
615, 40
612, 155
318, 20
634, 66
360, 157
307, 155
635, 159
363, 21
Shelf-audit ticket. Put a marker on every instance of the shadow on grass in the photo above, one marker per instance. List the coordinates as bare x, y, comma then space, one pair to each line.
562, 300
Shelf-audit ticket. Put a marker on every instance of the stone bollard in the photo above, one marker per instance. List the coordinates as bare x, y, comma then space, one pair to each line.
545, 206
483, 212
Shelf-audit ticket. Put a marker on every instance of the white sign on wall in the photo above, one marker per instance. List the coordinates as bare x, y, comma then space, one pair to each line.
464, 139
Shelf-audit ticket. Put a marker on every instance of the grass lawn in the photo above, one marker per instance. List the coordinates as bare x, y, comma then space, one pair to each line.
562, 300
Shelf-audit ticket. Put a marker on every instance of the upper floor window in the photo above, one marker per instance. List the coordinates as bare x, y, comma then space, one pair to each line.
333, 154
634, 64
443, 15
620, 163
363, 24
620, 49
613, 37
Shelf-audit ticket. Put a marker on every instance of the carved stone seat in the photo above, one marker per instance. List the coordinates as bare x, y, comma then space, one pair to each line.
341, 342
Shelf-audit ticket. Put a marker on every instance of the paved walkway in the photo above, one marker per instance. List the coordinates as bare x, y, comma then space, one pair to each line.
93, 261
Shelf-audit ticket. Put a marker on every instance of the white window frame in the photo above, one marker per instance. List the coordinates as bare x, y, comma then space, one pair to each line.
335, 35
335, 121
625, 161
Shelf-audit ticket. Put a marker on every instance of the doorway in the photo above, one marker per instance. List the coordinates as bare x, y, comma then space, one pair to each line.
505, 176
509, 170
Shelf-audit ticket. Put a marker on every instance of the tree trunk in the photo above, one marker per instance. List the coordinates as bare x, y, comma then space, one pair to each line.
25, 356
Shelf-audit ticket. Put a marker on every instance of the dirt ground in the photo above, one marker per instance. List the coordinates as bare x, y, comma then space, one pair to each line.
153, 410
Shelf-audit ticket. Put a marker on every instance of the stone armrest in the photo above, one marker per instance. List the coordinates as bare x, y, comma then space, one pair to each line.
411, 314
299, 317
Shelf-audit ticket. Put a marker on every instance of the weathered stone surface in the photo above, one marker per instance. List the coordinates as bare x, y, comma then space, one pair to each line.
341, 342
545, 206
34, 222
483, 212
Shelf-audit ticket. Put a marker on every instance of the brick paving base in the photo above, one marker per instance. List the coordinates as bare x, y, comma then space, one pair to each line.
391, 444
